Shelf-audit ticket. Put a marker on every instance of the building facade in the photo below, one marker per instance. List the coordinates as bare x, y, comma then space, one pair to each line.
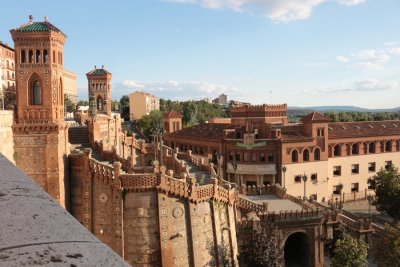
313, 159
40, 133
7, 69
70, 87
141, 104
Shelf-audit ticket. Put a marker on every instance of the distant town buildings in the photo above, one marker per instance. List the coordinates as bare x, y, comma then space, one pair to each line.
221, 100
142, 103
70, 88
7, 68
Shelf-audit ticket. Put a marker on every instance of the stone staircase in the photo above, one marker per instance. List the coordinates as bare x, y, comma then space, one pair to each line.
201, 176
78, 135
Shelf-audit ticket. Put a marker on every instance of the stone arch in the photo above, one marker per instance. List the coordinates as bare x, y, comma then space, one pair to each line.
297, 250
388, 146
317, 153
60, 92
35, 90
99, 103
294, 155
337, 150
355, 149
306, 154
371, 148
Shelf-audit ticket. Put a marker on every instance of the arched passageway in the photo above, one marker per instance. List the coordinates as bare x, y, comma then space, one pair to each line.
297, 251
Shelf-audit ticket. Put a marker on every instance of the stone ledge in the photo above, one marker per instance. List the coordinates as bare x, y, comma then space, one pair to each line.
35, 230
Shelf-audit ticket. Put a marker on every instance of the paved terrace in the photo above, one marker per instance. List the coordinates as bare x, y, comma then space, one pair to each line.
275, 204
36, 231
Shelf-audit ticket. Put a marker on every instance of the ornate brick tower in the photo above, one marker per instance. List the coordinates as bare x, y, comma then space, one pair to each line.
99, 85
40, 133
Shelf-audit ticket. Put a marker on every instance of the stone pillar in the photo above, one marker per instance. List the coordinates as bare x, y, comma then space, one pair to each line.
273, 179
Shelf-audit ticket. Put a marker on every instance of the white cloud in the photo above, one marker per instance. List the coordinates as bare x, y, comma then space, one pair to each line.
394, 50
175, 89
368, 66
374, 56
390, 43
276, 10
361, 86
342, 59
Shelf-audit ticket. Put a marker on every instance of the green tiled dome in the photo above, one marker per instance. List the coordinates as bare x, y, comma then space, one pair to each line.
38, 27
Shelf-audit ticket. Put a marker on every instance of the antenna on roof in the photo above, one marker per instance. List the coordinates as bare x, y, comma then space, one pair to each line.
102, 67
46, 18
95, 67
30, 18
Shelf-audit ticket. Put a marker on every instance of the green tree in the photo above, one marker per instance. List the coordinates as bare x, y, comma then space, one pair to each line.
69, 105
386, 184
10, 97
82, 103
338, 233
149, 124
388, 247
261, 248
350, 253
124, 107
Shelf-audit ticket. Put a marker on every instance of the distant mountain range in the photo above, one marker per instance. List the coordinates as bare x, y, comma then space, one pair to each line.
342, 109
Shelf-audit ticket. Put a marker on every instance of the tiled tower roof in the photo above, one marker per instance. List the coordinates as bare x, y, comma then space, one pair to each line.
98, 72
315, 117
44, 26
172, 114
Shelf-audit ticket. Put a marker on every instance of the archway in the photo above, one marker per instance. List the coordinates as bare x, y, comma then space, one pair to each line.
297, 251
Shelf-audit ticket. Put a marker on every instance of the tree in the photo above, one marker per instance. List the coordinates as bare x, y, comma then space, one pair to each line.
261, 248
388, 247
350, 253
82, 103
386, 184
69, 105
124, 107
338, 233
9, 97
149, 124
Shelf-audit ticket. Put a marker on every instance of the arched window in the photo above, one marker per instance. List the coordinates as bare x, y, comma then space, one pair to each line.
99, 103
30, 56
295, 156
337, 151
388, 146
38, 56
317, 154
355, 149
45, 56
54, 56
371, 148
306, 155
23, 56
36, 93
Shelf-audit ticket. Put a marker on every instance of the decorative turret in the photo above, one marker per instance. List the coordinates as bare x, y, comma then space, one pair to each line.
99, 89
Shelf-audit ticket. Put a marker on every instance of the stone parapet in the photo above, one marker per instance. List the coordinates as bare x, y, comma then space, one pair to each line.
6, 134
47, 236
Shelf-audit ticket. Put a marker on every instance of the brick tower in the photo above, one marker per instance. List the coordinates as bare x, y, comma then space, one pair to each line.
40, 133
99, 85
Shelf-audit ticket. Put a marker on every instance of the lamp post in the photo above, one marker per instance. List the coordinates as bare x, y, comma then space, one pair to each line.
283, 168
305, 178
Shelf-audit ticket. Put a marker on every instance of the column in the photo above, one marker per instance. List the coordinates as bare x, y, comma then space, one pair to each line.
273, 179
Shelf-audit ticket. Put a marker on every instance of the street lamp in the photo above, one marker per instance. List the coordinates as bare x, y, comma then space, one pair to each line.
283, 168
369, 198
305, 178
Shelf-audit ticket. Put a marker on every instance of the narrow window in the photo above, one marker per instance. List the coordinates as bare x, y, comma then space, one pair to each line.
262, 156
38, 56
45, 56
295, 156
23, 56
270, 157
316, 154
237, 156
371, 167
336, 151
306, 155
54, 56
36, 96
337, 170
354, 187
388, 146
355, 149
371, 148
355, 169
30, 57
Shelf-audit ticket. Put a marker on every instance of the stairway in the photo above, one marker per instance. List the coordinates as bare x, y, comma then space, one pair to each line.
202, 177
78, 135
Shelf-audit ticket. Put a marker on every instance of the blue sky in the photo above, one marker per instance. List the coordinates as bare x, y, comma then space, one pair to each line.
300, 52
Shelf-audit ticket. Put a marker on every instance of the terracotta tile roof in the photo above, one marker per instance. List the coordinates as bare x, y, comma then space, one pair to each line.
363, 128
210, 131
315, 117
172, 114
294, 133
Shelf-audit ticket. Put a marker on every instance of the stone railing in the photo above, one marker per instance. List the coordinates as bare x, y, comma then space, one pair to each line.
248, 205
359, 225
139, 182
36, 230
103, 171
174, 186
296, 215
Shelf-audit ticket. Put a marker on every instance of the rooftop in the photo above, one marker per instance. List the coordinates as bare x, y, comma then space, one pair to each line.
211, 131
44, 26
172, 114
98, 72
315, 117
363, 128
